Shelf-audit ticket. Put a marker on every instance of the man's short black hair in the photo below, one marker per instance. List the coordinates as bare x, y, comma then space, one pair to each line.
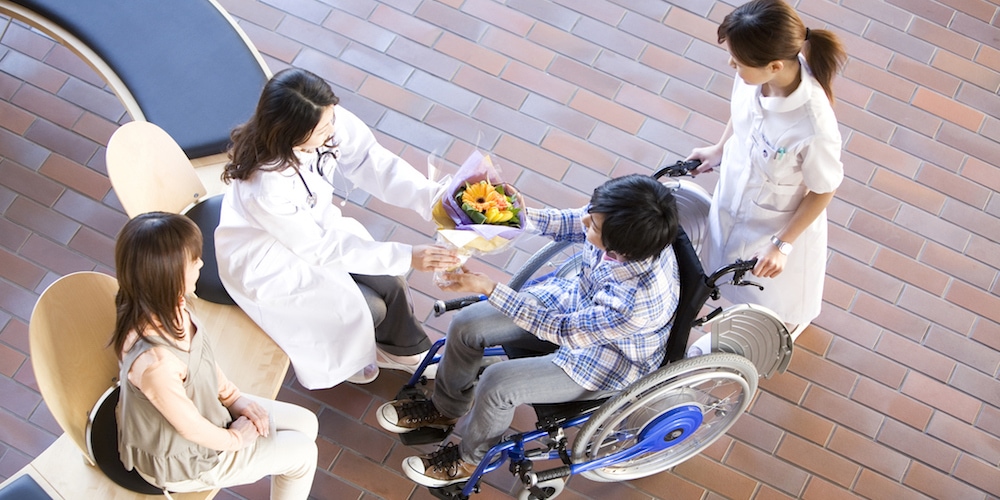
640, 216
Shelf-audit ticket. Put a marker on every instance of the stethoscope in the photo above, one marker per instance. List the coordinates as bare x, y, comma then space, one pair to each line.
321, 155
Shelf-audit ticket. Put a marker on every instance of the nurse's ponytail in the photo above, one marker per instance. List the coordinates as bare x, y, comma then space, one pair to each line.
824, 55
760, 32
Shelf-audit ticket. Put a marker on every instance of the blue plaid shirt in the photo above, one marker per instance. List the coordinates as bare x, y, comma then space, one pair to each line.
611, 322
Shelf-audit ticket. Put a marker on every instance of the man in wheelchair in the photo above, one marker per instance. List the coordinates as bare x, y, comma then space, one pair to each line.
610, 323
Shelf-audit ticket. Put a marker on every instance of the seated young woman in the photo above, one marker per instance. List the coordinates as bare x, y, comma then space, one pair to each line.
182, 424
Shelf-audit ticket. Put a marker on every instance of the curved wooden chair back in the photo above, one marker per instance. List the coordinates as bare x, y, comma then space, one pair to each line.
150, 172
68, 335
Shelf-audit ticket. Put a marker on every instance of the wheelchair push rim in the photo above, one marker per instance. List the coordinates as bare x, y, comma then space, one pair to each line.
665, 418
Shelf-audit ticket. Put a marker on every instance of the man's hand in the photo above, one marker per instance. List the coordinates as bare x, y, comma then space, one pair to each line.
468, 281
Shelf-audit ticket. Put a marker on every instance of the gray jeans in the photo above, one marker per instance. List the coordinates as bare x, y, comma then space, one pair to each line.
488, 406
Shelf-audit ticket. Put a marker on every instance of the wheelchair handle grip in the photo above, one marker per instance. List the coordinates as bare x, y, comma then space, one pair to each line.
679, 169
738, 268
443, 306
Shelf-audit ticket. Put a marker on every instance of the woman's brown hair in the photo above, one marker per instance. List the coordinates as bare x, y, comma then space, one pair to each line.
289, 109
763, 31
151, 256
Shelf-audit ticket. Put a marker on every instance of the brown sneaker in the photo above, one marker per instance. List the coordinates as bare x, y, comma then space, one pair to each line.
407, 415
439, 469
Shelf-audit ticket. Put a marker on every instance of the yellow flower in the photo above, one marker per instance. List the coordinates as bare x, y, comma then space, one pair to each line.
482, 196
495, 215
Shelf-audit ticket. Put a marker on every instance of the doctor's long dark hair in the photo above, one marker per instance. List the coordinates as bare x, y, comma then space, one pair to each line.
151, 256
289, 108
763, 31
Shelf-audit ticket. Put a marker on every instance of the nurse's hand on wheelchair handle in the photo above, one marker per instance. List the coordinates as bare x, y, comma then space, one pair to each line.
739, 269
710, 157
770, 262
679, 169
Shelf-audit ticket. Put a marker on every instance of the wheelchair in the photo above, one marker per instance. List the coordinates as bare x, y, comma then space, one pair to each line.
664, 418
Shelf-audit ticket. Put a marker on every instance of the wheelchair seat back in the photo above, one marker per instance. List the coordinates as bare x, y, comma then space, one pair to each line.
694, 293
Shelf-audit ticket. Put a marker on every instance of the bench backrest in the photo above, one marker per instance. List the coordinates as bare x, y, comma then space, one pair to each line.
188, 67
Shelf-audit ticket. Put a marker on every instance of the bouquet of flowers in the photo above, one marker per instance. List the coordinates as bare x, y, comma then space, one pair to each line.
478, 213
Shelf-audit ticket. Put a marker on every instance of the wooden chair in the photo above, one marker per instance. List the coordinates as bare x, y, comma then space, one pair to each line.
68, 336
149, 172
73, 320
74, 367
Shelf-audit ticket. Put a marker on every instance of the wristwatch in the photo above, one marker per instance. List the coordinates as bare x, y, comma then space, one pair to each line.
783, 246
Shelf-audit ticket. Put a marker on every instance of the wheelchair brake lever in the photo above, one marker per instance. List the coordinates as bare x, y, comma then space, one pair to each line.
743, 282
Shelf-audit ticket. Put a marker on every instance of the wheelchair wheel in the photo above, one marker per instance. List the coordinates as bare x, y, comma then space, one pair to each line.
666, 417
551, 488
559, 257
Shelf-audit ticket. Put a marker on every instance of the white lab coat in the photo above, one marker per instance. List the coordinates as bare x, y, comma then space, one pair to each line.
781, 148
287, 263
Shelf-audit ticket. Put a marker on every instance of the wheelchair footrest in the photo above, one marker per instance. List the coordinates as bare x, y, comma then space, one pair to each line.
424, 435
450, 492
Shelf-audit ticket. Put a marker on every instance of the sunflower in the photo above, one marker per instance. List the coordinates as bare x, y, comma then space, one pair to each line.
497, 216
482, 196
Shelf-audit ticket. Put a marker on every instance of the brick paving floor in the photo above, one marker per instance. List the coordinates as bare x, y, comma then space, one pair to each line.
893, 393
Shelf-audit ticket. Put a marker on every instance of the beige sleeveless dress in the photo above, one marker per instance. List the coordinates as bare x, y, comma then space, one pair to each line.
146, 440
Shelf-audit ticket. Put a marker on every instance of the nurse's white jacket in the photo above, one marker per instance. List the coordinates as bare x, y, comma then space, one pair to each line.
286, 261
781, 149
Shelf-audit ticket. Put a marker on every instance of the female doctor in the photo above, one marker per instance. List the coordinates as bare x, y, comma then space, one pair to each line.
316, 281
779, 159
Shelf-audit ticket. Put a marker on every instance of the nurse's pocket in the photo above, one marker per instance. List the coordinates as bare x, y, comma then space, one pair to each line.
779, 198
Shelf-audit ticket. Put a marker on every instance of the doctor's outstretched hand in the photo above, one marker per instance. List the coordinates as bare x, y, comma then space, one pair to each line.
434, 258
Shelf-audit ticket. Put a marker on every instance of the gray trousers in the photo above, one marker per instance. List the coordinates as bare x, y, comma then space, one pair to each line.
397, 330
488, 406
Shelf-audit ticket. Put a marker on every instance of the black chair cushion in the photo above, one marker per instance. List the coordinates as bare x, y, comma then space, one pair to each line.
188, 69
23, 488
102, 437
205, 215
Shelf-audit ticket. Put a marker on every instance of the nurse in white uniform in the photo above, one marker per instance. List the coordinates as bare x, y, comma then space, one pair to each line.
778, 159
315, 280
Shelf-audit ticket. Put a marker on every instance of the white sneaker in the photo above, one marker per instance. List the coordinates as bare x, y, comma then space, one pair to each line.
407, 364
366, 376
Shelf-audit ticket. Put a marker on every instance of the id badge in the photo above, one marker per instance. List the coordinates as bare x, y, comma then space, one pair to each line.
760, 146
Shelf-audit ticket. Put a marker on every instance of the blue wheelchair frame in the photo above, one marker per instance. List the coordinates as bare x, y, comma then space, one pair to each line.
666, 430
